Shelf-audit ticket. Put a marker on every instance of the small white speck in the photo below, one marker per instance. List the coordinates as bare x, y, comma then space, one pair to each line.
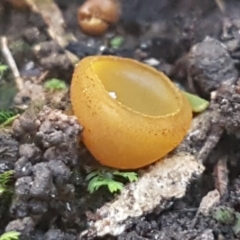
194, 133
102, 48
68, 207
224, 101
113, 95
152, 62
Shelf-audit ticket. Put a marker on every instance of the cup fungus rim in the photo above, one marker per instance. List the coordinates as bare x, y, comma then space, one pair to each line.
173, 87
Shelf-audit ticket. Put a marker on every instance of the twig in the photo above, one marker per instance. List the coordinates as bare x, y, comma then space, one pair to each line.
42, 77
53, 17
11, 63
210, 143
207, 203
221, 175
221, 5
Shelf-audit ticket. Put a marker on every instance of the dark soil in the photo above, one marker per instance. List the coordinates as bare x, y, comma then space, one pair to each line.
42, 146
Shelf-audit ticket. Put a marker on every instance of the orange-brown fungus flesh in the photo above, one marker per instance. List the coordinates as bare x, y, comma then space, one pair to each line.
148, 118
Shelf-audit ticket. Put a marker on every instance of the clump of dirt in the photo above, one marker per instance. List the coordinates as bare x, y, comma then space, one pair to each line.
210, 65
47, 153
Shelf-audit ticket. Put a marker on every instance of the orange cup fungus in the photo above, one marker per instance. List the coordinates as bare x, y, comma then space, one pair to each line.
132, 114
95, 16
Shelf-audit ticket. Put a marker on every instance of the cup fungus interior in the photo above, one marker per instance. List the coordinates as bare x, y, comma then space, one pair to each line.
136, 87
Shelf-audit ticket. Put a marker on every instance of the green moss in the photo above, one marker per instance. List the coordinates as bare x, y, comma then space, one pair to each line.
198, 104
3, 68
55, 84
4, 181
116, 42
112, 179
7, 117
13, 235
236, 227
224, 215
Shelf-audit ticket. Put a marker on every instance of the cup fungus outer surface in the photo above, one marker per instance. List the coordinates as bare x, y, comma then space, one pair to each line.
117, 135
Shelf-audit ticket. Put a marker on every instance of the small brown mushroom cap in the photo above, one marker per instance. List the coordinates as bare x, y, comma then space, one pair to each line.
19, 4
95, 16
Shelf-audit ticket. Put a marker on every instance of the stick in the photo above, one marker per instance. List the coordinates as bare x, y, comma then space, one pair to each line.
11, 63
